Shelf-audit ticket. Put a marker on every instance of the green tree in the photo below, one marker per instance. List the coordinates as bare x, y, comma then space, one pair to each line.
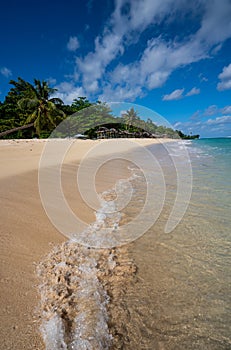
77, 105
150, 126
86, 120
80, 103
11, 118
36, 104
130, 118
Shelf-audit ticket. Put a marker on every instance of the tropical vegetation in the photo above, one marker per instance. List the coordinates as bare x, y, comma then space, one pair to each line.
32, 110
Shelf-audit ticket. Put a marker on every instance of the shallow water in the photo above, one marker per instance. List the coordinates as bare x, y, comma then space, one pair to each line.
162, 291
182, 298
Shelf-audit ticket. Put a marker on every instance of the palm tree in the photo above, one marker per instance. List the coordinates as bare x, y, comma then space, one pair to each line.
36, 103
131, 117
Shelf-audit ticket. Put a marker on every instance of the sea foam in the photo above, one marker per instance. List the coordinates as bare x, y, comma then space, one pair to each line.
80, 284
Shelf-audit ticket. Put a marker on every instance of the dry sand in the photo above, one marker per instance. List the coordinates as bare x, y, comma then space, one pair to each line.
26, 234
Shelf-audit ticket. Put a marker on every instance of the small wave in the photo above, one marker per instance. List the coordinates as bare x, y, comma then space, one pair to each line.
185, 142
80, 291
73, 299
82, 287
105, 231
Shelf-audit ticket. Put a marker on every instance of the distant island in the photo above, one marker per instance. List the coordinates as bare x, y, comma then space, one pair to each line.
30, 111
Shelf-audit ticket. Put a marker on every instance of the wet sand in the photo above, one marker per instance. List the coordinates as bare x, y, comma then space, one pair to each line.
26, 234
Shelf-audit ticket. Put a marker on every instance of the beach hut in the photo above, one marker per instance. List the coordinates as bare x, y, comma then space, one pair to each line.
103, 133
113, 133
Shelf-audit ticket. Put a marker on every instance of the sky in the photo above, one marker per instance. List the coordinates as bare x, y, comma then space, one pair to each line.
171, 56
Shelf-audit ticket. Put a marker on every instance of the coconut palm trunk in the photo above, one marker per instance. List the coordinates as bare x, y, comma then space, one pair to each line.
7, 132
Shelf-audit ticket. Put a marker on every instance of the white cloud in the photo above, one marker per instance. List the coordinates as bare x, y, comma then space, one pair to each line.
216, 24
175, 95
93, 87
93, 65
68, 92
196, 115
157, 62
123, 27
224, 85
213, 121
148, 11
211, 110
226, 73
216, 49
73, 43
6, 72
226, 110
179, 93
120, 93
225, 77
203, 78
177, 124
160, 58
99, 71
193, 91
226, 119
51, 81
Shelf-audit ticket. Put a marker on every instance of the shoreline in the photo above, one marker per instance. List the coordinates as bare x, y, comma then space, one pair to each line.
27, 235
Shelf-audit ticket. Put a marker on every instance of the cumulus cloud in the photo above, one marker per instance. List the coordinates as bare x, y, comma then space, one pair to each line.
68, 92
93, 65
120, 93
193, 91
226, 73
99, 70
216, 24
175, 95
73, 43
152, 70
6, 72
225, 78
157, 62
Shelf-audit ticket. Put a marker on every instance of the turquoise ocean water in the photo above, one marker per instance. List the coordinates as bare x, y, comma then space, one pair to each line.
183, 294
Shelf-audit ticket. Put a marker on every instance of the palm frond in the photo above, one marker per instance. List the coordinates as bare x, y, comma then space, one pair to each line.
28, 103
56, 100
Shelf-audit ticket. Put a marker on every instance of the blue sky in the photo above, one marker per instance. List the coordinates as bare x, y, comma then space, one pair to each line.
172, 56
